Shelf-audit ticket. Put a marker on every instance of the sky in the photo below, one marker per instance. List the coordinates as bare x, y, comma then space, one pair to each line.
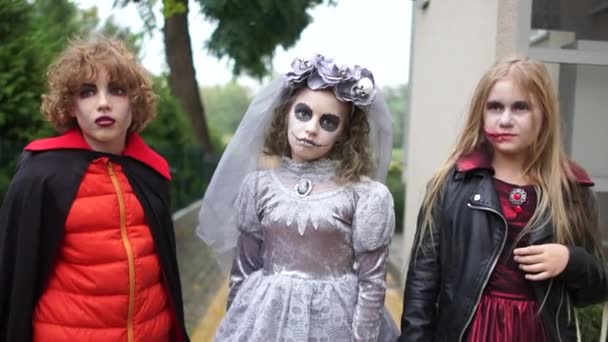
375, 35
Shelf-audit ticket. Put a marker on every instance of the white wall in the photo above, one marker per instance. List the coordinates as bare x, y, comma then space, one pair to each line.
454, 42
590, 122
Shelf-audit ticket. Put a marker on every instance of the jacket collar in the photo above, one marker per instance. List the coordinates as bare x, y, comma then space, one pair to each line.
485, 194
476, 160
136, 148
481, 160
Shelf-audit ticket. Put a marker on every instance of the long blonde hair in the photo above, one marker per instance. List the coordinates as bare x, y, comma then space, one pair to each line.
561, 200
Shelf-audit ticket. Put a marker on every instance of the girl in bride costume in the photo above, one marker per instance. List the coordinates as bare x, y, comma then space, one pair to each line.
297, 203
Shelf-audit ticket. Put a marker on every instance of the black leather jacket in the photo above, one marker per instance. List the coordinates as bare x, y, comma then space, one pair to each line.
447, 276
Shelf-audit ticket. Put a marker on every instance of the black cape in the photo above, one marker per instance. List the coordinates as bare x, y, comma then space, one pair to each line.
33, 215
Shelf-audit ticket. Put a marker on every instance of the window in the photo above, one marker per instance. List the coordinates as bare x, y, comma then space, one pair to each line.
565, 31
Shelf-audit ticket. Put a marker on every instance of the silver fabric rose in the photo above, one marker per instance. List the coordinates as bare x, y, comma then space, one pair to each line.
300, 70
359, 89
350, 84
326, 74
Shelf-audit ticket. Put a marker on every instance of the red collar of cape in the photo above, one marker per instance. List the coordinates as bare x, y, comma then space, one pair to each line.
135, 148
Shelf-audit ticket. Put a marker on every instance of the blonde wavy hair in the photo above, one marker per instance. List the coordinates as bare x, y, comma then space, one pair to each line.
352, 150
561, 200
81, 61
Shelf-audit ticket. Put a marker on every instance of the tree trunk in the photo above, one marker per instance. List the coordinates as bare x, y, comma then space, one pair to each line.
182, 78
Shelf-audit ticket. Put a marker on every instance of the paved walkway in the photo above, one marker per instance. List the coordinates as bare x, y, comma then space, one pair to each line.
205, 289
200, 276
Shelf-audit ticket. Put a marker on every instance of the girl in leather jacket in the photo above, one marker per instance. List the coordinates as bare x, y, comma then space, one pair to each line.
507, 239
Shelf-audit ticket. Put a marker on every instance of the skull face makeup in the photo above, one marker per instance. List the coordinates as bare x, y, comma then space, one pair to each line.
316, 121
270, 128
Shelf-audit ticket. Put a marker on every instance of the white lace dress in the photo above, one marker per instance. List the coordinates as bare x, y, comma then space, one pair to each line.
310, 267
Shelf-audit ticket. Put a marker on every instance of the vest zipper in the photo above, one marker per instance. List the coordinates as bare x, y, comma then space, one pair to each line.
128, 249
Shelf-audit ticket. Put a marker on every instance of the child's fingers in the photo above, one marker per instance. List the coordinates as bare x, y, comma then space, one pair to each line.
528, 250
535, 268
538, 276
529, 259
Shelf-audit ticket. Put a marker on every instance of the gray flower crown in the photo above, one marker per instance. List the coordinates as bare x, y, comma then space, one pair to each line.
350, 84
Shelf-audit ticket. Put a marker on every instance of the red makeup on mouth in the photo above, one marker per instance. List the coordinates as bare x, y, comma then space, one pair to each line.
499, 137
104, 121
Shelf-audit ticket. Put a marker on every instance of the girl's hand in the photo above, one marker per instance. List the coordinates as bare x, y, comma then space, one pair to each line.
541, 262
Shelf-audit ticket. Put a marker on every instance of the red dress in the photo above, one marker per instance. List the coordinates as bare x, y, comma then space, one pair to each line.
508, 309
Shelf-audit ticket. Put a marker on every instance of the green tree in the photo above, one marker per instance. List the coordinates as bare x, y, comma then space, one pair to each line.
226, 105
397, 99
31, 32
247, 32
171, 122
20, 85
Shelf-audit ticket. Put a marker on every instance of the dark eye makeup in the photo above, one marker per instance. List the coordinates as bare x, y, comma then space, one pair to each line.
86, 90
517, 106
329, 122
117, 89
90, 89
302, 112
495, 106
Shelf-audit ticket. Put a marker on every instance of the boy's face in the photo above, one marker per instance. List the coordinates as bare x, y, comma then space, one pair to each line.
103, 112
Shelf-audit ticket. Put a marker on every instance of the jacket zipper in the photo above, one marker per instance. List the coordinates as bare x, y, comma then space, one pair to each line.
559, 308
494, 262
128, 249
570, 311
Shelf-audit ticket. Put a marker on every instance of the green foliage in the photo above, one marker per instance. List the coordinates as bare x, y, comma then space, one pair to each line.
248, 32
20, 70
32, 33
171, 136
56, 21
395, 184
590, 319
397, 99
173, 7
225, 106
171, 123
191, 171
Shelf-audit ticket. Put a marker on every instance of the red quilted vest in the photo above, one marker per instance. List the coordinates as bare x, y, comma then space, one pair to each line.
106, 284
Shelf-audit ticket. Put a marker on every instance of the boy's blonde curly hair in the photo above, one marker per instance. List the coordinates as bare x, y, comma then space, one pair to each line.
81, 62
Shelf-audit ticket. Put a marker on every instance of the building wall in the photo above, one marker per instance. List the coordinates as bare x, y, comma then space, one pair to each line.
506, 28
454, 42
590, 122
589, 132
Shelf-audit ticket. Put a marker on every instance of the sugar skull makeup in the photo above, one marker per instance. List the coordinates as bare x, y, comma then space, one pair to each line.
316, 121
